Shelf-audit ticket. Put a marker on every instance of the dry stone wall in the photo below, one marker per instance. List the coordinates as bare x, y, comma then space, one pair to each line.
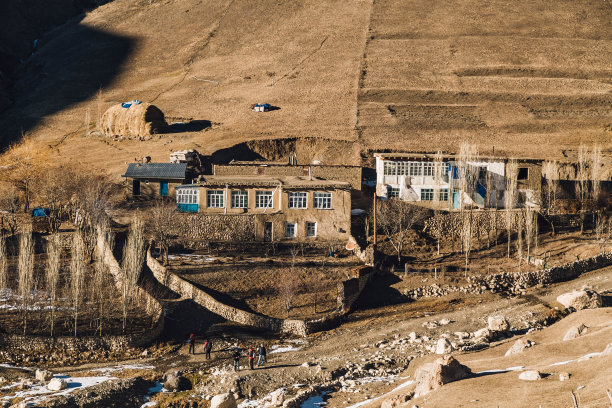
214, 227
448, 225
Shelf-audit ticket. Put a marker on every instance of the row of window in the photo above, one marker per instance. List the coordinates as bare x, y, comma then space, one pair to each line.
263, 199
405, 168
427, 194
291, 229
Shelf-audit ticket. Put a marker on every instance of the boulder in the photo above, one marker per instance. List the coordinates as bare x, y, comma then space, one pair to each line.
443, 346
564, 376
530, 375
575, 332
223, 401
56, 384
444, 370
278, 397
483, 334
519, 346
498, 324
43, 376
176, 382
580, 299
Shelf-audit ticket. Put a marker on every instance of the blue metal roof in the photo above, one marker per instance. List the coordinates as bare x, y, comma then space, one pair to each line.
168, 171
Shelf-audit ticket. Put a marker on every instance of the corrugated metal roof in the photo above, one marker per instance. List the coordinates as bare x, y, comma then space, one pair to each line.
174, 171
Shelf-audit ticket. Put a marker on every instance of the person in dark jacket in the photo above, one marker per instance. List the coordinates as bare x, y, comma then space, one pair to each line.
236, 356
192, 343
251, 355
262, 352
208, 348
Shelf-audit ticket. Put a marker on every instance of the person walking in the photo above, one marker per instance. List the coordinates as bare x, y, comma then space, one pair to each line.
208, 348
236, 356
261, 359
192, 343
251, 355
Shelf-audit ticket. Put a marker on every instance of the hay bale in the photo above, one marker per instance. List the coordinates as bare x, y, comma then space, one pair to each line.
137, 120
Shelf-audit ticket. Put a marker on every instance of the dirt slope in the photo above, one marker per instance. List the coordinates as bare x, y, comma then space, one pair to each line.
531, 78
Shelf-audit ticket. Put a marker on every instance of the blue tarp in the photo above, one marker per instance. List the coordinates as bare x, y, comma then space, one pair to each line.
126, 105
40, 212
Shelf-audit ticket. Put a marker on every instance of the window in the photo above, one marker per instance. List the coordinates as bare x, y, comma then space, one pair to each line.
187, 195
290, 229
427, 194
402, 168
444, 194
390, 168
311, 229
297, 200
392, 192
263, 199
214, 199
523, 173
415, 169
240, 199
428, 169
322, 201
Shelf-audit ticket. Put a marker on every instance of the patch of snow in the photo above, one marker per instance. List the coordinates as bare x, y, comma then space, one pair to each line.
277, 348
191, 257
124, 367
501, 370
315, 401
399, 387
357, 211
39, 393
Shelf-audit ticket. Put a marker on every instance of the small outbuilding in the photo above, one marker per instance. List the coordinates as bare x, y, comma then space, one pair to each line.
133, 119
155, 179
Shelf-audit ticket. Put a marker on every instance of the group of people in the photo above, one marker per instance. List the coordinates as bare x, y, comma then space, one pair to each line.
251, 354
207, 346
261, 353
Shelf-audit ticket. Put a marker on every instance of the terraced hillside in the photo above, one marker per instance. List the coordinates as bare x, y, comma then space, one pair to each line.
532, 78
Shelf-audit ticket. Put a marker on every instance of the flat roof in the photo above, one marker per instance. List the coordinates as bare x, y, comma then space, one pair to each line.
265, 163
170, 171
432, 156
266, 181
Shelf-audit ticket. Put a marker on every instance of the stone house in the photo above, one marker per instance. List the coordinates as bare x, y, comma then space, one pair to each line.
435, 182
155, 179
284, 208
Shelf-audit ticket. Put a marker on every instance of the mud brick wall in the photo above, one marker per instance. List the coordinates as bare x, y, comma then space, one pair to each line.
448, 225
214, 227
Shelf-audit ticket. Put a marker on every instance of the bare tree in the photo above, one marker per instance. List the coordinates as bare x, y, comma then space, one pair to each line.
583, 176
77, 274
159, 226
3, 264
596, 172
397, 218
287, 288
438, 175
133, 259
54, 259
520, 224
531, 222
9, 207
510, 196
26, 272
318, 283
466, 236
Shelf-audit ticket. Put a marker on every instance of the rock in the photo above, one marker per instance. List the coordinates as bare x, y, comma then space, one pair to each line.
56, 384
176, 382
442, 371
519, 346
580, 299
43, 375
498, 324
444, 322
145, 353
462, 335
607, 351
278, 397
443, 346
223, 401
396, 401
575, 332
306, 364
483, 334
530, 375
564, 376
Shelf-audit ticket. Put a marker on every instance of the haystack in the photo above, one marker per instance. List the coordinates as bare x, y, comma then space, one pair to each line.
136, 120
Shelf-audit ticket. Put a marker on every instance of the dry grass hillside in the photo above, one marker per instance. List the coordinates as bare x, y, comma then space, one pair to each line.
532, 78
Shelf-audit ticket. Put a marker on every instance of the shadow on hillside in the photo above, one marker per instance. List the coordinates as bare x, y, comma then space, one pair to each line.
191, 126
72, 64
223, 298
379, 292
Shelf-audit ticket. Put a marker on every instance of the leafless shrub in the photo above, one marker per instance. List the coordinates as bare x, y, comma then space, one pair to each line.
26, 272
287, 288
54, 258
133, 259
9, 207
317, 283
596, 172
3, 264
510, 196
583, 177
397, 218
531, 222
77, 274
159, 226
466, 236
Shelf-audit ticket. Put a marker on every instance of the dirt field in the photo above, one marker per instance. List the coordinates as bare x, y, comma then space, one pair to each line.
530, 78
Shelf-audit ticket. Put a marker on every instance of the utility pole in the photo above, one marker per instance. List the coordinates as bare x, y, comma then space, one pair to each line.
375, 235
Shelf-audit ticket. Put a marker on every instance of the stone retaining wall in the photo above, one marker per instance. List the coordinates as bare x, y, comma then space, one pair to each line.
516, 283
297, 327
214, 227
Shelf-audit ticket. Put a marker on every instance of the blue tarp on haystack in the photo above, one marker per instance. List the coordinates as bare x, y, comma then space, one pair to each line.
126, 105
40, 212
